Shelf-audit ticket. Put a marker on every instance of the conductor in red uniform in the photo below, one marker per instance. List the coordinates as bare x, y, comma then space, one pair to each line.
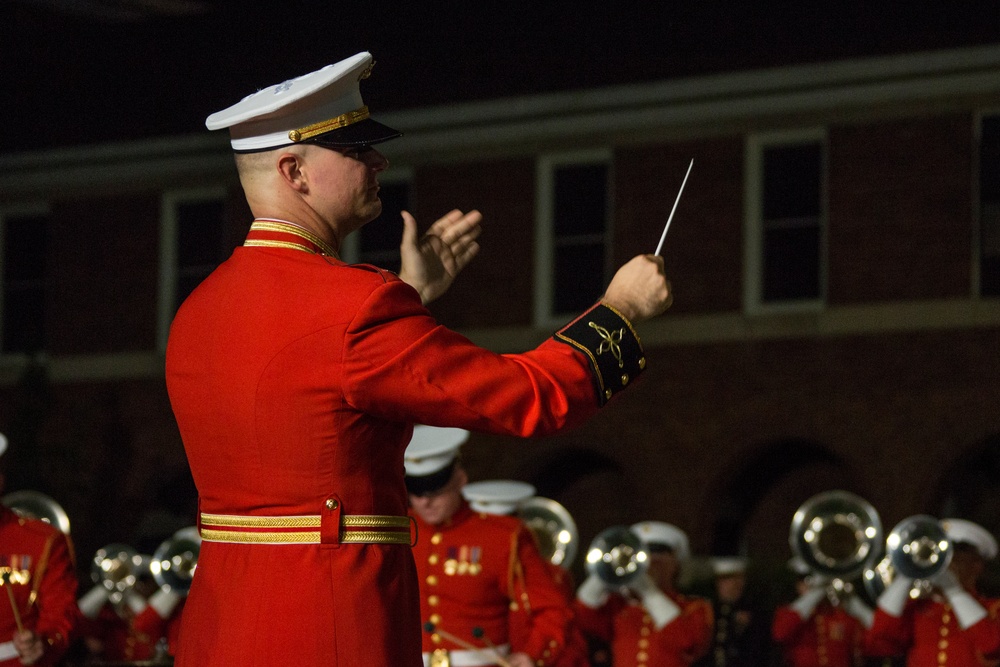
955, 625
655, 626
295, 380
36, 565
476, 568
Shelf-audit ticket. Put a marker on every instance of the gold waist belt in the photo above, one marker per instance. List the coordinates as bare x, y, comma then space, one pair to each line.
304, 529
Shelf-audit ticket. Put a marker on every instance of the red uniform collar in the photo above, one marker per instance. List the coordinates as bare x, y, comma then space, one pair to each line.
274, 233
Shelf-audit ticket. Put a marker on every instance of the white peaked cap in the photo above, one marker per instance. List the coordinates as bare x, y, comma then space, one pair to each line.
658, 532
432, 448
497, 496
729, 565
960, 530
323, 107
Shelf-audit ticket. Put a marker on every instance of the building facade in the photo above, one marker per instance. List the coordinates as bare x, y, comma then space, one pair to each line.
835, 259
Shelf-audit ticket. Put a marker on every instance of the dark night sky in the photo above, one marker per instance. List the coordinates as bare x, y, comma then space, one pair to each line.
74, 78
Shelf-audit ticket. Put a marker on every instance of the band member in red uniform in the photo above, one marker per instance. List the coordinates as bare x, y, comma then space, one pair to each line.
476, 567
503, 498
812, 631
955, 625
295, 380
37, 567
655, 625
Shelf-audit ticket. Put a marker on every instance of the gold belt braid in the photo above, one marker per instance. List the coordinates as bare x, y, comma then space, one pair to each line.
379, 529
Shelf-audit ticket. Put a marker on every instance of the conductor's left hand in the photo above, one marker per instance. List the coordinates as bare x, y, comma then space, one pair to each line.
430, 264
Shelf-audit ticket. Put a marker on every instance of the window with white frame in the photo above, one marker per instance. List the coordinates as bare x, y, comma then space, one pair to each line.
786, 216
25, 251
193, 243
989, 206
573, 245
377, 243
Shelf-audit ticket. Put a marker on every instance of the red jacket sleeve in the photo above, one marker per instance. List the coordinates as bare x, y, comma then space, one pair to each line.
55, 599
690, 634
400, 364
786, 625
549, 613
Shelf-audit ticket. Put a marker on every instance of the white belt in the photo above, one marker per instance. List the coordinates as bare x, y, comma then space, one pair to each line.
466, 658
7, 651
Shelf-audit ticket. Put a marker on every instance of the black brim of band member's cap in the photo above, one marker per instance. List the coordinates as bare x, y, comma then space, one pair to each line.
424, 484
363, 133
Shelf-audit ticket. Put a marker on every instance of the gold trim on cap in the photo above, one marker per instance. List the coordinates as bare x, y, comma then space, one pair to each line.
343, 120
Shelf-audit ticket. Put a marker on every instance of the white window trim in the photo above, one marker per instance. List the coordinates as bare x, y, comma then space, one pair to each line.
168, 252
753, 180
545, 167
17, 210
350, 251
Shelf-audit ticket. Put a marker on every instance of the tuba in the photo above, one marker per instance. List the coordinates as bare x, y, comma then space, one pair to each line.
553, 527
917, 547
35, 505
175, 560
117, 567
617, 556
835, 534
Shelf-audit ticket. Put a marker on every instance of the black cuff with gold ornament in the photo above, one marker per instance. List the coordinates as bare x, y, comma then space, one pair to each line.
607, 338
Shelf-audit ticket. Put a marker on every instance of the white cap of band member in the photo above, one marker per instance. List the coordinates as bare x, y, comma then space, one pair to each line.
322, 107
728, 566
497, 496
3, 444
961, 530
432, 448
658, 533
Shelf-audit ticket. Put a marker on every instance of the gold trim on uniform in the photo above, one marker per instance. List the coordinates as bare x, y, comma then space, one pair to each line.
380, 529
343, 120
271, 225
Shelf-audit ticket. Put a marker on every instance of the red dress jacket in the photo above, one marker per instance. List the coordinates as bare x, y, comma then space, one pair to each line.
635, 641
476, 570
575, 652
830, 637
928, 634
36, 561
295, 381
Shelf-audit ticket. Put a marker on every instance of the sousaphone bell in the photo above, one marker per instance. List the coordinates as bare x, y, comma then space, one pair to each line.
174, 562
918, 547
35, 505
835, 534
617, 556
553, 527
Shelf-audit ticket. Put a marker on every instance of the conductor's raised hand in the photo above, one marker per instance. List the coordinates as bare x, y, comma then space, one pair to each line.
430, 264
640, 290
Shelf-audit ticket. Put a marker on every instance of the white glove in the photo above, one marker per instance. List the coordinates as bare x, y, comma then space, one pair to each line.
806, 603
90, 604
860, 611
592, 592
967, 609
135, 602
662, 609
164, 601
894, 597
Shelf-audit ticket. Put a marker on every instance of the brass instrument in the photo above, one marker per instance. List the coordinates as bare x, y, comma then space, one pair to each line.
617, 556
117, 567
835, 534
175, 560
35, 505
918, 547
553, 527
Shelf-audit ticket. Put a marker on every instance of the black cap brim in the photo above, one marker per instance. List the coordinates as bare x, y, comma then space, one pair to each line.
363, 133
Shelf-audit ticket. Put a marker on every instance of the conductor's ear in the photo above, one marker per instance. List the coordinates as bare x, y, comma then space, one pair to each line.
291, 167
